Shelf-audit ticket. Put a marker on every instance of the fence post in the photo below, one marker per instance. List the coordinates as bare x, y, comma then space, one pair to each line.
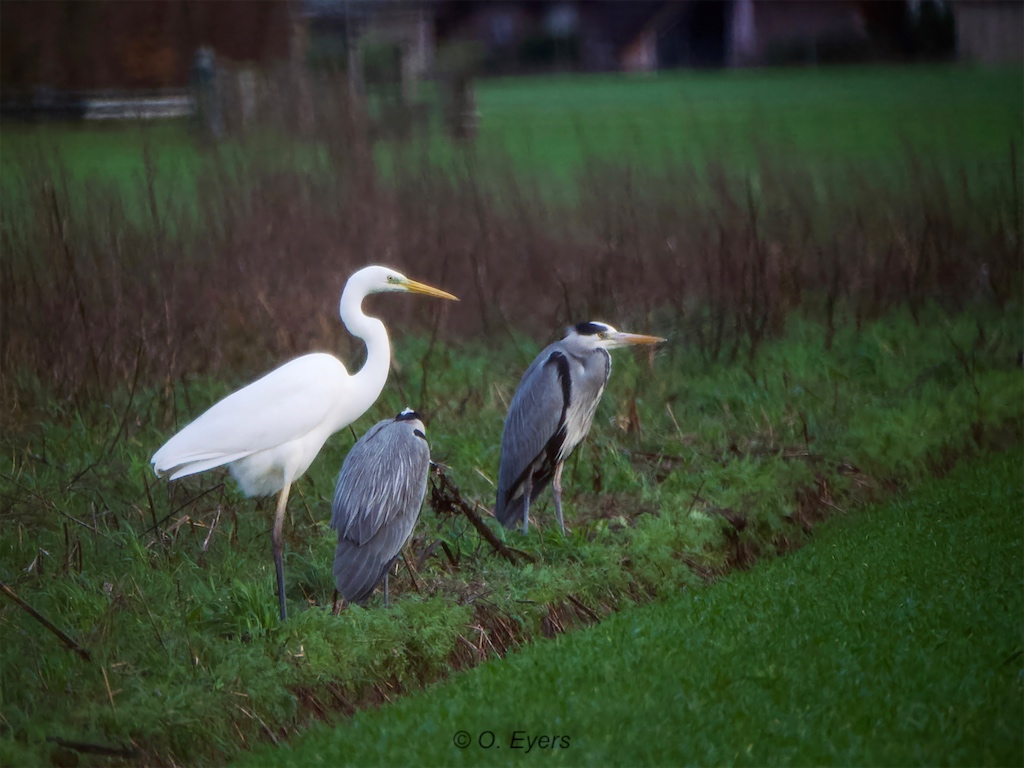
203, 77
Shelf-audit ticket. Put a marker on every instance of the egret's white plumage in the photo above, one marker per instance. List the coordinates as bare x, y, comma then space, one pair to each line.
269, 432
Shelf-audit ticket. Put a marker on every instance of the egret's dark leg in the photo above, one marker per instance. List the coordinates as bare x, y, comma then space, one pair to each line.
556, 490
527, 489
282, 504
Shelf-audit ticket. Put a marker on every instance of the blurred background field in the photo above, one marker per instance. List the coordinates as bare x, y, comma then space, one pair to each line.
834, 253
549, 127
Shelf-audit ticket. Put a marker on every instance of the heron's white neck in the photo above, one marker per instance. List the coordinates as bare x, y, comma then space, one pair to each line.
369, 382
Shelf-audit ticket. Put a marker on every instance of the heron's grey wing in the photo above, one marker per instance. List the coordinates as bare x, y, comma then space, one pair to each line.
359, 568
357, 571
534, 424
355, 471
376, 504
383, 478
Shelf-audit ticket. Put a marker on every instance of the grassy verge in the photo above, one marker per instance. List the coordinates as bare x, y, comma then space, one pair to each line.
691, 470
895, 638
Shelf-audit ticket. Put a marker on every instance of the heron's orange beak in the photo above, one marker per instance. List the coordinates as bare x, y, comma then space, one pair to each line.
621, 339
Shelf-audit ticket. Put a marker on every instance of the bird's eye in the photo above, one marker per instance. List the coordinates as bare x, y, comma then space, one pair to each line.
603, 334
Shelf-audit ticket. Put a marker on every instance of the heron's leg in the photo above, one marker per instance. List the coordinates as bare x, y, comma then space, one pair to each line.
387, 602
282, 504
556, 490
527, 489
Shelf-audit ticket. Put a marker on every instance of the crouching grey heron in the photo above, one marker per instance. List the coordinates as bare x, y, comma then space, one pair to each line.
550, 414
269, 432
377, 502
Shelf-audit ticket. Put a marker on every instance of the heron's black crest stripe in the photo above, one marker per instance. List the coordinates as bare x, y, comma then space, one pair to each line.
408, 416
418, 433
590, 329
565, 379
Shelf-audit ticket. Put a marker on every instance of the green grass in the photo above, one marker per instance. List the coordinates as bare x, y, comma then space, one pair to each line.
895, 638
187, 632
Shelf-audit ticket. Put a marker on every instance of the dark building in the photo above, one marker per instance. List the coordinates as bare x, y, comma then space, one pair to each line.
84, 45
647, 35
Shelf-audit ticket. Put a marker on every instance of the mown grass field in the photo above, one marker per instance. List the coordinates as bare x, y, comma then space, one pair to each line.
894, 638
834, 338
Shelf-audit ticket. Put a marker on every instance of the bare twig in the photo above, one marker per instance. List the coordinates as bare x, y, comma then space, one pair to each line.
484, 474
93, 749
149, 613
696, 496
671, 415
45, 622
180, 507
412, 571
478, 652
213, 527
110, 695
426, 553
445, 495
575, 601
522, 554
451, 556
149, 498
131, 400
252, 715
485, 636
48, 503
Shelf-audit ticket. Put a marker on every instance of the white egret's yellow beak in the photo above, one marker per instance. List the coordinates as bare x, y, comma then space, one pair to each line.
620, 339
427, 290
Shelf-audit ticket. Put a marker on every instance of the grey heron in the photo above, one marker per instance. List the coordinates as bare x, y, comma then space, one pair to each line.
269, 432
377, 502
551, 413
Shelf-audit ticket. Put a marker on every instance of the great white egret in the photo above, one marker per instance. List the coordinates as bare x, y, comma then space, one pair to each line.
269, 432
550, 414
377, 502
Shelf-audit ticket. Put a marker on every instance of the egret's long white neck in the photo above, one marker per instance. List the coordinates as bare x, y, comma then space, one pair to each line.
369, 382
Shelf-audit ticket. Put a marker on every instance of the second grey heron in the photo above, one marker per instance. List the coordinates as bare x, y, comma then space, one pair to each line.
551, 413
269, 432
377, 502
